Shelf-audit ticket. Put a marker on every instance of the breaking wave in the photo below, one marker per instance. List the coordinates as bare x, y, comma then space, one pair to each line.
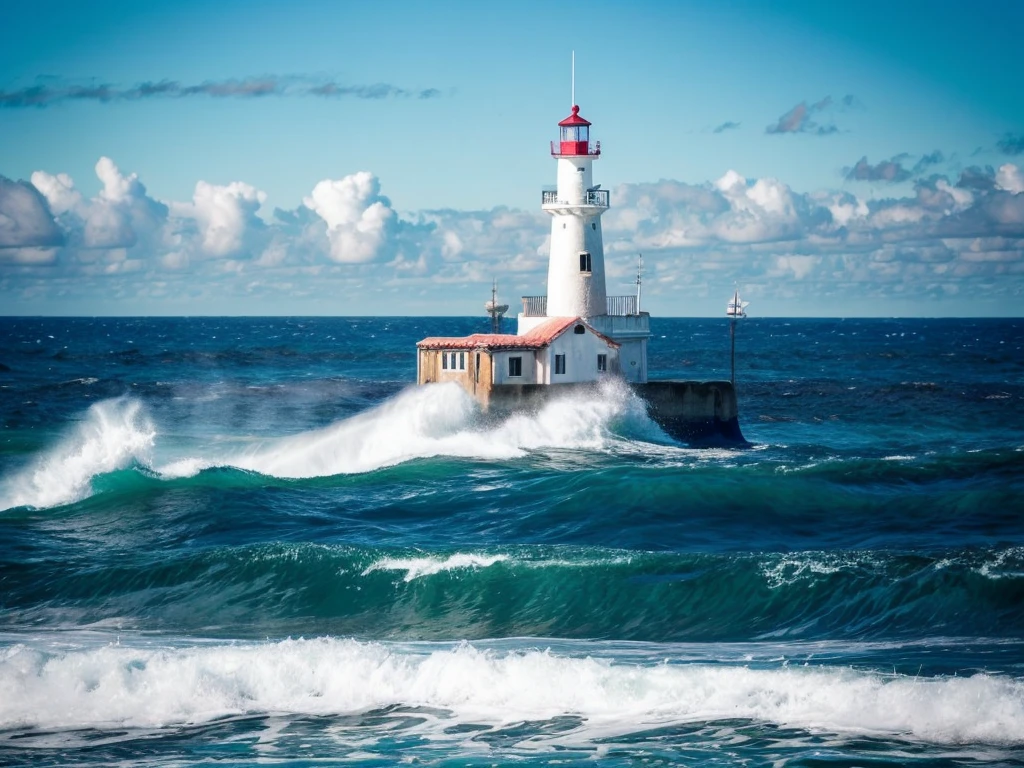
145, 687
112, 435
418, 423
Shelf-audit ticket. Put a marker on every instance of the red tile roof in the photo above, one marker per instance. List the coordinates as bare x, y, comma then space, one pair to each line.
539, 337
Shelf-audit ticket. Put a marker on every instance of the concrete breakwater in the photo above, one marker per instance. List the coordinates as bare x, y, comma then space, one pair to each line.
700, 413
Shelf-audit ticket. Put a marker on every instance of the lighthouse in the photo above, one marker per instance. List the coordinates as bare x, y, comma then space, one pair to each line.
576, 284
577, 335
576, 275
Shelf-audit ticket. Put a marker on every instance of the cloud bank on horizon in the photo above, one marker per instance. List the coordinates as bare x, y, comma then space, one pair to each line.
345, 245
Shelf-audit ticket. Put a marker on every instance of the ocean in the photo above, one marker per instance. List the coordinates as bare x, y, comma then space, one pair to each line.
254, 541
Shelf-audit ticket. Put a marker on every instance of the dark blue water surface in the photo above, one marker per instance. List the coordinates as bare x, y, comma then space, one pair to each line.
253, 540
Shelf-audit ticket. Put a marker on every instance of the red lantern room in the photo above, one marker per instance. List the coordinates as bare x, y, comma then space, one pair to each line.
574, 139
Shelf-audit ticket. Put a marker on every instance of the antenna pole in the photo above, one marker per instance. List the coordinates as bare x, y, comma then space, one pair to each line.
573, 79
639, 280
732, 362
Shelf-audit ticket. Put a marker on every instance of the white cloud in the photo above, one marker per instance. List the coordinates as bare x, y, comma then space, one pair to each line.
345, 241
58, 190
25, 219
1010, 178
359, 221
226, 216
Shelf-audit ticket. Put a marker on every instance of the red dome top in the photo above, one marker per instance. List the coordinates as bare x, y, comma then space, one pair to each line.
574, 118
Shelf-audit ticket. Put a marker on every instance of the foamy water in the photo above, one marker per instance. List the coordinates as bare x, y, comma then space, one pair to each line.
117, 686
420, 422
416, 567
112, 435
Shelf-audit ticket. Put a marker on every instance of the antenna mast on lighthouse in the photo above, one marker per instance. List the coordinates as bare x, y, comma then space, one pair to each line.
639, 279
573, 95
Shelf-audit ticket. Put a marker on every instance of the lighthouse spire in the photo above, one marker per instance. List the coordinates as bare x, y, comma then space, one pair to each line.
573, 99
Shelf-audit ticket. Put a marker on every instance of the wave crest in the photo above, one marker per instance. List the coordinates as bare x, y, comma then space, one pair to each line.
112, 435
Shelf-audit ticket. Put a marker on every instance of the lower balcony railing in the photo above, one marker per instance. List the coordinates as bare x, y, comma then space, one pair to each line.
598, 197
617, 306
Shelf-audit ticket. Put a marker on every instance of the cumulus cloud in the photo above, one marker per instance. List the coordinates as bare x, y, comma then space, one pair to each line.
803, 117
346, 240
1010, 178
359, 220
40, 96
226, 216
25, 219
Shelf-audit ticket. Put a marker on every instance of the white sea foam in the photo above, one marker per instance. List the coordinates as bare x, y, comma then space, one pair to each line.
119, 686
415, 567
112, 435
423, 422
784, 570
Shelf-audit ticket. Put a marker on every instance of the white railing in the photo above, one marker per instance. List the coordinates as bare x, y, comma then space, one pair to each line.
535, 306
617, 306
596, 197
622, 306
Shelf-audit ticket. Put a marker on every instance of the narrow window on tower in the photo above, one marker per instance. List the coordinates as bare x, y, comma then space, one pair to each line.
444, 360
559, 363
585, 261
462, 361
515, 366
602, 362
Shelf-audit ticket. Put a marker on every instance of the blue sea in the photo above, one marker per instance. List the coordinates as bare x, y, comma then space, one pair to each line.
254, 541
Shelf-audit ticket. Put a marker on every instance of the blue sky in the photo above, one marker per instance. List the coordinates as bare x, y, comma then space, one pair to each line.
335, 158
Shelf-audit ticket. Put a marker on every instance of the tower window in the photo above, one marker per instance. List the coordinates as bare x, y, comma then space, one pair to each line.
585, 264
579, 330
593, 225
559, 363
602, 362
444, 360
515, 366
462, 361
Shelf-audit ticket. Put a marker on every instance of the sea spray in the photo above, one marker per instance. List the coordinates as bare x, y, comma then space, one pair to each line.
436, 420
111, 435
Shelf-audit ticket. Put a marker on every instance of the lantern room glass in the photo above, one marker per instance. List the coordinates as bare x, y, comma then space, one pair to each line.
575, 133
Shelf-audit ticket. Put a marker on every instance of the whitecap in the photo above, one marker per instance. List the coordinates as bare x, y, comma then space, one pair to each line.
113, 434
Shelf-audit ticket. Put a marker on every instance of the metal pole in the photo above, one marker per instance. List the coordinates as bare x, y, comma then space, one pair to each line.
732, 356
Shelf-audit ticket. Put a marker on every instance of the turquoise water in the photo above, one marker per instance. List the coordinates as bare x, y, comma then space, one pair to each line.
253, 541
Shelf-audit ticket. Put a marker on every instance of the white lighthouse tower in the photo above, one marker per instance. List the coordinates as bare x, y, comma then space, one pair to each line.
576, 277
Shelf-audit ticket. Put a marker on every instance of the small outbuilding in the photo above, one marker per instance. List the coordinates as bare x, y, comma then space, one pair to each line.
562, 350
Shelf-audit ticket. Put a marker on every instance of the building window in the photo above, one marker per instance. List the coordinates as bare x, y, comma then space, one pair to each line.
579, 330
602, 362
559, 363
462, 361
515, 366
585, 261
444, 360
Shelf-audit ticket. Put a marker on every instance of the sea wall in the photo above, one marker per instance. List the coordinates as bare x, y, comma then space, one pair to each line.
694, 412
697, 412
